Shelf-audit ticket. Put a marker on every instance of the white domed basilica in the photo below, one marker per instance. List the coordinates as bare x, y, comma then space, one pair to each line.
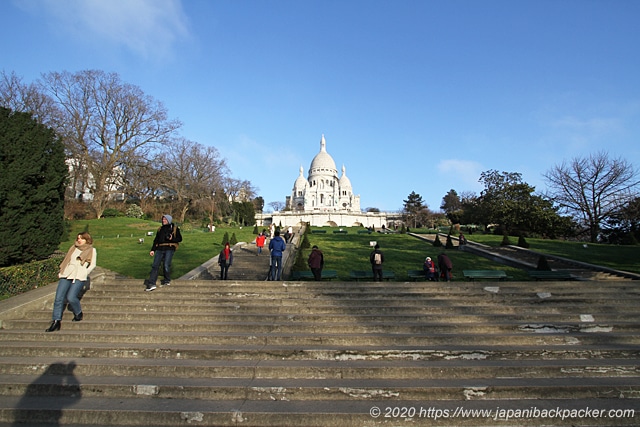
323, 191
323, 199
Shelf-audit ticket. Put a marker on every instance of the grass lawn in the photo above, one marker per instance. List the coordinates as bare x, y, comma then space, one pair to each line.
117, 242
346, 252
626, 258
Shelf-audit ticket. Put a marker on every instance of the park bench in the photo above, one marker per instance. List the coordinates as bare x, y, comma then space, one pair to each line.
308, 275
318, 231
485, 274
368, 275
364, 231
551, 275
416, 274
340, 232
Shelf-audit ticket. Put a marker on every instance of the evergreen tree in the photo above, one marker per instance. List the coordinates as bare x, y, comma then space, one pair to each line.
543, 264
449, 244
255, 230
32, 186
522, 242
505, 240
300, 263
436, 242
225, 238
305, 242
234, 239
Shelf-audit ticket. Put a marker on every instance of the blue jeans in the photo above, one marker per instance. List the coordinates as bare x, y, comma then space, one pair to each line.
161, 257
67, 290
276, 266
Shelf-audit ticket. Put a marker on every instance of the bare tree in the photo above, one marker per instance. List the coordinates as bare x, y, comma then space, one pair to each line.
105, 123
28, 98
592, 188
142, 181
239, 190
277, 206
192, 174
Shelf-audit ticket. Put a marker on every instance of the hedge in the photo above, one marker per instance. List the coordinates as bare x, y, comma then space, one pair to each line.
21, 278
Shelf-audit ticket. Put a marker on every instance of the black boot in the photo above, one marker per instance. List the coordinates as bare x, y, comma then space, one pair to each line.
55, 326
77, 317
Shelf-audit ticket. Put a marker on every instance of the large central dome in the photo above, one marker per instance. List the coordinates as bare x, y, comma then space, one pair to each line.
323, 160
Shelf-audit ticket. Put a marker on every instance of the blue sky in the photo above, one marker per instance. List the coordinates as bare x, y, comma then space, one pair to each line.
411, 95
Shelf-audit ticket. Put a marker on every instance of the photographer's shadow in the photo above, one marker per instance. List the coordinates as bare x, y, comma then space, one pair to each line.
45, 398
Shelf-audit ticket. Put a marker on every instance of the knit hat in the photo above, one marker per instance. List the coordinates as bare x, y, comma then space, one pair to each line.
169, 218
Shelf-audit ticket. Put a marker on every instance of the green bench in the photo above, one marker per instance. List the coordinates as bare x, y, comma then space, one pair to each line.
368, 275
308, 275
416, 275
485, 274
318, 231
364, 231
340, 231
551, 275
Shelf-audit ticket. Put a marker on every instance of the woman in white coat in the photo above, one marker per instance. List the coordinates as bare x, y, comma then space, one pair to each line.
74, 271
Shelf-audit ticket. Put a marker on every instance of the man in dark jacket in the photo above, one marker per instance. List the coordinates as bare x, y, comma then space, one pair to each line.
277, 246
445, 266
165, 243
316, 262
376, 258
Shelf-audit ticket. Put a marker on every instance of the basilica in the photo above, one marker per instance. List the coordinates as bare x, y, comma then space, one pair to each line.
323, 199
323, 191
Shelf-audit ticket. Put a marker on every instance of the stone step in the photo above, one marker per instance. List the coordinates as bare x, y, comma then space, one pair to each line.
424, 328
552, 317
313, 369
323, 352
218, 389
526, 337
79, 411
296, 353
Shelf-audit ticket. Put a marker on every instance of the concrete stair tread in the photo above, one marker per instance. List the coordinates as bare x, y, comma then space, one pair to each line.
292, 352
321, 354
334, 363
163, 412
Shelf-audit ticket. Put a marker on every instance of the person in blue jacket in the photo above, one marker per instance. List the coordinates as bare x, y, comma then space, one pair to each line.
276, 246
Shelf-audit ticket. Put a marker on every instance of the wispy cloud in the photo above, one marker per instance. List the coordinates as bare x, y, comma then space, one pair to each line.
593, 126
462, 174
150, 28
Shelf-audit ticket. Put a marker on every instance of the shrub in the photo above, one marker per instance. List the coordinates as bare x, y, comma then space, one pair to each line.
305, 242
21, 278
505, 240
436, 242
234, 239
449, 244
543, 264
225, 238
300, 263
134, 211
111, 213
522, 242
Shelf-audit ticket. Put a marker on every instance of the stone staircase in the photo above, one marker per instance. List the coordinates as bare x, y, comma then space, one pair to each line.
261, 353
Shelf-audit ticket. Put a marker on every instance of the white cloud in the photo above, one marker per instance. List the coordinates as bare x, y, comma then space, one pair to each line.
149, 28
465, 173
596, 125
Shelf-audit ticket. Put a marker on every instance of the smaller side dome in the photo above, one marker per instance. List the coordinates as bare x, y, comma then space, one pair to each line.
345, 182
301, 182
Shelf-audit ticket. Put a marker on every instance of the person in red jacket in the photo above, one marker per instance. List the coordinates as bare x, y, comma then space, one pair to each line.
430, 271
260, 242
